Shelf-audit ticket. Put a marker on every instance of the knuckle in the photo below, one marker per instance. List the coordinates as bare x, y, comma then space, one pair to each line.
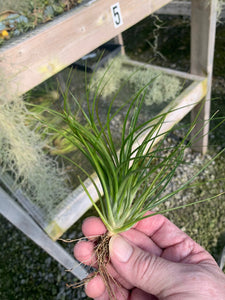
143, 267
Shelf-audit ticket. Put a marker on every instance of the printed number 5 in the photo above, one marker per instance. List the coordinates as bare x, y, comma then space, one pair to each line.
116, 14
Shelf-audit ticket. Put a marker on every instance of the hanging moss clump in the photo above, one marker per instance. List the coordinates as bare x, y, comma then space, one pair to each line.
22, 156
162, 89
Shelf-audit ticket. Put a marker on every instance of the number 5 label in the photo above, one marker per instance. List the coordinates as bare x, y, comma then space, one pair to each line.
116, 14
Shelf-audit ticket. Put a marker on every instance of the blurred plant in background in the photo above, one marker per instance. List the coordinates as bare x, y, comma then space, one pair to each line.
17, 17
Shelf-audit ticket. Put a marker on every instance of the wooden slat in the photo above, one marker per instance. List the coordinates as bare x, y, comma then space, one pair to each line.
222, 259
72, 208
7, 181
17, 216
65, 40
203, 30
76, 204
119, 40
182, 8
179, 108
167, 71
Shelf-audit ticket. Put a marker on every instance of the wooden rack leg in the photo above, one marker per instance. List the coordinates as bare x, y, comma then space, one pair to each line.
222, 259
17, 216
203, 29
119, 40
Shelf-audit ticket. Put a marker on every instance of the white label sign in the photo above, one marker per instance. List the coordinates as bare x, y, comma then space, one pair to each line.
116, 15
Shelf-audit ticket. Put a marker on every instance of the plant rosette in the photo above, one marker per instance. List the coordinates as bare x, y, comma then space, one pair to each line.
134, 179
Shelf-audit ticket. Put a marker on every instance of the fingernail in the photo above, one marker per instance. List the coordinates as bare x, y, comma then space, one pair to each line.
120, 248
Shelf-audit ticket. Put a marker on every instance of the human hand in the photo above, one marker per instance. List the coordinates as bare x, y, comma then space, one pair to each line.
153, 260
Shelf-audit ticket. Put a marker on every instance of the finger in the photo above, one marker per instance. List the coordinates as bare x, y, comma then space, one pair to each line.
177, 244
84, 252
178, 247
188, 251
118, 278
142, 241
93, 226
96, 288
148, 272
163, 232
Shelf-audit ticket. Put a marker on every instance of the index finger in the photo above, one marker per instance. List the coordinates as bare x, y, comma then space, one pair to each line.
93, 226
176, 245
163, 232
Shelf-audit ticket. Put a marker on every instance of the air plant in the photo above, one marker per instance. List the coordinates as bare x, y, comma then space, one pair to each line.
133, 179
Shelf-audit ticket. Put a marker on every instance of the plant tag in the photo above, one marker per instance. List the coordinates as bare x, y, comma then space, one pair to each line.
116, 15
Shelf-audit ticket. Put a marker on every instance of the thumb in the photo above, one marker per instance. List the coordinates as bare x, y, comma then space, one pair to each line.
148, 272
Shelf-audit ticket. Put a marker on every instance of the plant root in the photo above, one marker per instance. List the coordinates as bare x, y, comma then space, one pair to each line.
81, 283
101, 252
103, 259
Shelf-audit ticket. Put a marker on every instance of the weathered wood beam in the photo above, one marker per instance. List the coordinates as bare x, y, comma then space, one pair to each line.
176, 8
18, 217
182, 8
203, 30
167, 71
44, 52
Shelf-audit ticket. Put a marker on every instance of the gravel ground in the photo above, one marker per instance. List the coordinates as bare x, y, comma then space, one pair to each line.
27, 272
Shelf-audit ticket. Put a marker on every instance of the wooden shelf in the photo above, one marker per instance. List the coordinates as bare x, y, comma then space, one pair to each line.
54, 46
183, 8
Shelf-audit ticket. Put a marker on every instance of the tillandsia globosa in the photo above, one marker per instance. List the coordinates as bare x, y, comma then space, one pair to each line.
134, 179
